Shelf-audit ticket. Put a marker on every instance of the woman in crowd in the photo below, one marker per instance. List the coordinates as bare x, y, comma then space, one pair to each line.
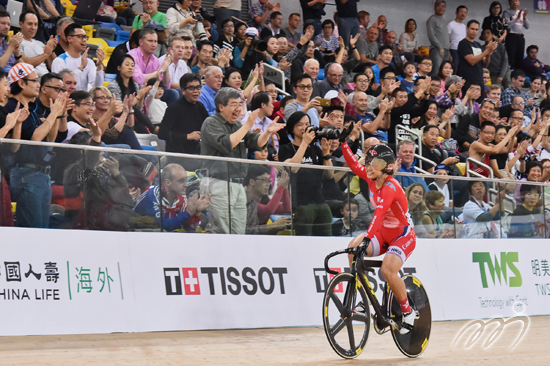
181, 22
498, 161
279, 203
535, 89
408, 43
272, 50
119, 130
431, 219
445, 70
527, 220
8, 122
372, 89
124, 85
495, 22
415, 197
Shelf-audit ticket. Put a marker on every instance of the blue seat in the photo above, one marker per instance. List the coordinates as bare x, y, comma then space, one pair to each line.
114, 26
321, 75
123, 36
110, 77
113, 43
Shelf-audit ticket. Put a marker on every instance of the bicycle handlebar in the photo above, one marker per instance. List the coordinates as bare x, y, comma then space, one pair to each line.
334, 254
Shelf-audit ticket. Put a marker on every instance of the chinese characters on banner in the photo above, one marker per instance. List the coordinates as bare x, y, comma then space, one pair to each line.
542, 6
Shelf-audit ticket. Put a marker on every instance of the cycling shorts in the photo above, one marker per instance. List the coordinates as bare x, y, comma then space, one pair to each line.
399, 241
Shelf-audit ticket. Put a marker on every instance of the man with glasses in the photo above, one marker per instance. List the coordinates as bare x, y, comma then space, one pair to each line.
81, 114
213, 78
89, 74
424, 67
518, 79
226, 38
30, 183
303, 88
222, 135
183, 136
51, 87
34, 52
467, 130
482, 148
335, 72
150, 12
10, 52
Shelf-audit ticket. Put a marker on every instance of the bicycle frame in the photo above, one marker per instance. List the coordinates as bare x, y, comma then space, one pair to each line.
359, 266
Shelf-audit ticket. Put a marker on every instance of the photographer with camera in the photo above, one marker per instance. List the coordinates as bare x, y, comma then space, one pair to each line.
183, 21
251, 52
312, 215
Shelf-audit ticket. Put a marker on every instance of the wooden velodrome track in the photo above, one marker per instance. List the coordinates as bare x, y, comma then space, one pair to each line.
287, 346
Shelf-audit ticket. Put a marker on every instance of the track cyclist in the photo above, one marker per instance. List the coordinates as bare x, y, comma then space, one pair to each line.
391, 229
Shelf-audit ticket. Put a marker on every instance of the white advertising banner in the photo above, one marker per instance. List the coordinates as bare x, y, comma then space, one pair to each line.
69, 281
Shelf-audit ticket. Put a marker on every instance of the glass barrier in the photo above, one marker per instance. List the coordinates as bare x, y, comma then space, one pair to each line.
80, 187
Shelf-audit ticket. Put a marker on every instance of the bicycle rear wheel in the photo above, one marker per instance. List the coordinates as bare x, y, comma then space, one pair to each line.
347, 331
415, 342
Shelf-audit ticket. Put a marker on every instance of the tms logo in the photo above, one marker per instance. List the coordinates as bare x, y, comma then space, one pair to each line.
322, 279
230, 279
507, 260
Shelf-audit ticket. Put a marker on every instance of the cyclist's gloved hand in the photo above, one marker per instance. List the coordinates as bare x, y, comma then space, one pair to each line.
346, 132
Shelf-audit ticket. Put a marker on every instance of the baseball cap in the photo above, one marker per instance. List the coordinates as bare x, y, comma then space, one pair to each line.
19, 71
251, 31
453, 79
439, 167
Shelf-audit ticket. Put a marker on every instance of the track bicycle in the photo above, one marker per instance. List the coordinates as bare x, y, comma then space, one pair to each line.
346, 309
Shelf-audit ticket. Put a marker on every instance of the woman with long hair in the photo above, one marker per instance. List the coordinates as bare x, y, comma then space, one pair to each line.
408, 43
124, 85
445, 70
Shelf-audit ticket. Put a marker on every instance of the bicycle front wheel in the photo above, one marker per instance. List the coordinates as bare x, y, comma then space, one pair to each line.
346, 328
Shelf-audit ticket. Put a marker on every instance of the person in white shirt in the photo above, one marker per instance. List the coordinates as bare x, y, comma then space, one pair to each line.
457, 32
76, 58
155, 107
181, 50
34, 52
263, 102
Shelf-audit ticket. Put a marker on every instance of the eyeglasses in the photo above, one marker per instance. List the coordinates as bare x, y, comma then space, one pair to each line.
518, 103
193, 88
81, 36
57, 90
362, 80
264, 180
32, 80
304, 87
235, 105
88, 104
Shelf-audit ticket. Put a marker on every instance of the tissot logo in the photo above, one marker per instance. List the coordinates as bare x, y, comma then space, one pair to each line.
224, 281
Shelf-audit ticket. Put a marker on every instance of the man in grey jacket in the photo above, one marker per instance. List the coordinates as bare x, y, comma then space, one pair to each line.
438, 36
499, 68
222, 135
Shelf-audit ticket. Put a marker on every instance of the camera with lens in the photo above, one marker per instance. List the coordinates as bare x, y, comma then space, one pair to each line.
258, 44
198, 17
329, 133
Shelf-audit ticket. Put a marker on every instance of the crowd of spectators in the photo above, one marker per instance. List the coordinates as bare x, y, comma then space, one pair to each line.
203, 83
